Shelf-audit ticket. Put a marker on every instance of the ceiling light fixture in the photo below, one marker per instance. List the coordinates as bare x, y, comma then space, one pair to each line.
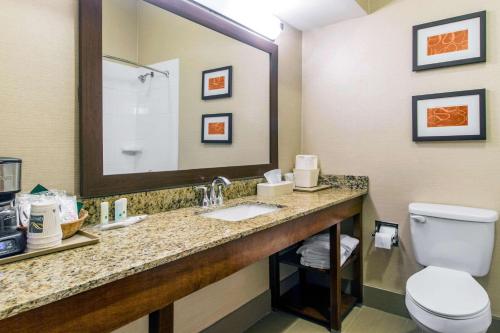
254, 14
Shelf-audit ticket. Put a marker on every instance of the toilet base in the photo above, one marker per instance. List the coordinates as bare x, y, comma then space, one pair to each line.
424, 329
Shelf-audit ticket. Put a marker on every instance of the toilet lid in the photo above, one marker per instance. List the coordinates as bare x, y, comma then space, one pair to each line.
447, 292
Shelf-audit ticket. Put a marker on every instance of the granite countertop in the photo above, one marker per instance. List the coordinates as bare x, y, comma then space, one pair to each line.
162, 238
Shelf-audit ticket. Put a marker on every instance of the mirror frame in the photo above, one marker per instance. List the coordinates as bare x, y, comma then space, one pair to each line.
92, 180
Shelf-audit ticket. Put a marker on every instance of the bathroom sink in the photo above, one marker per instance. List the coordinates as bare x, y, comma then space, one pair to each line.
241, 212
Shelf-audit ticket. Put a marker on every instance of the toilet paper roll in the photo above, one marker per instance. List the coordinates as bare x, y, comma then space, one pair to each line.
383, 241
383, 238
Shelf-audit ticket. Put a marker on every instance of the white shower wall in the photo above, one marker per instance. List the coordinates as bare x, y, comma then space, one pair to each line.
140, 120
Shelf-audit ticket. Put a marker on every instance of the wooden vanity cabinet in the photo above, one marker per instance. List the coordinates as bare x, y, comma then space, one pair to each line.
115, 304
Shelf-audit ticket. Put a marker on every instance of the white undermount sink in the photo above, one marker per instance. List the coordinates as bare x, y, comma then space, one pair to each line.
241, 212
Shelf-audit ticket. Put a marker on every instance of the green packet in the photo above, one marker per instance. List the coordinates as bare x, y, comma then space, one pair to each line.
38, 189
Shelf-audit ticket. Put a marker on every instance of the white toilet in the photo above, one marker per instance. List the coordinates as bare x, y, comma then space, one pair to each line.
455, 243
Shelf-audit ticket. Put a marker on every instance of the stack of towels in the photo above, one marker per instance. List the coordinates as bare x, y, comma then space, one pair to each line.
316, 250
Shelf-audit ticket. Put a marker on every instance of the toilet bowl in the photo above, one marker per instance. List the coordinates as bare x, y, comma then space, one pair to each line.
456, 244
442, 300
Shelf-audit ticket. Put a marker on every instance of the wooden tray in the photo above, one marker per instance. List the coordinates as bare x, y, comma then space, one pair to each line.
81, 238
311, 189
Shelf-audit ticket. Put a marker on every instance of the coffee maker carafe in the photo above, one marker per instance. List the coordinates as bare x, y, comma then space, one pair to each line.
12, 240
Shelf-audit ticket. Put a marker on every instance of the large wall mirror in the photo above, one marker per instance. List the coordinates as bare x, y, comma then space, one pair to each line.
172, 94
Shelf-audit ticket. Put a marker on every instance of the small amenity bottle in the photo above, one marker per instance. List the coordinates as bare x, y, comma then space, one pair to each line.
104, 212
120, 209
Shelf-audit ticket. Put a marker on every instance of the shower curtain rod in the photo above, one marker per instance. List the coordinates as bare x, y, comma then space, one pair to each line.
135, 64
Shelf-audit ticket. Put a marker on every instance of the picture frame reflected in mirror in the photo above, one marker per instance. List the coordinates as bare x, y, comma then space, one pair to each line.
217, 128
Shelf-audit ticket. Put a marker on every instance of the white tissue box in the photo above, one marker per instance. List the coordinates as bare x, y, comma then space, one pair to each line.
306, 178
266, 190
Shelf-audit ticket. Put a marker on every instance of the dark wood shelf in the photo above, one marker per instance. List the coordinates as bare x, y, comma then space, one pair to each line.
312, 302
293, 259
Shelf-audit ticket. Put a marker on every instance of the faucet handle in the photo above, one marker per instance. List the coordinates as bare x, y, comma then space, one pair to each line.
204, 201
220, 197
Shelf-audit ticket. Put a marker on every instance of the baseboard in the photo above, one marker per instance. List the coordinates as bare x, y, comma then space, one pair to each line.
244, 317
394, 303
495, 325
385, 300
250, 313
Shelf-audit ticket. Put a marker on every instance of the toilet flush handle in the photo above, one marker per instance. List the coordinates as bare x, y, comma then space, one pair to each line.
418, 218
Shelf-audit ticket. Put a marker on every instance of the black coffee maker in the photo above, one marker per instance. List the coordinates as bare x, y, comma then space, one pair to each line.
12, 239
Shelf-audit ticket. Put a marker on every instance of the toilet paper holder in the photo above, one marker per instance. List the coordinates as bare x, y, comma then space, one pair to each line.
395, 239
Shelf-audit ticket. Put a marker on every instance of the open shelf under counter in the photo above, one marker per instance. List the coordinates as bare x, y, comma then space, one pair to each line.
312, 302
319, 295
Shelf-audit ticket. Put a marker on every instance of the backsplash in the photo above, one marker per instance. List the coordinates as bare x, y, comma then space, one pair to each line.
351, 182
169, 199
153, 202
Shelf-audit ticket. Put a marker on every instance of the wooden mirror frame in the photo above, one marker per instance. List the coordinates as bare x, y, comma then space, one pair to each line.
92, 180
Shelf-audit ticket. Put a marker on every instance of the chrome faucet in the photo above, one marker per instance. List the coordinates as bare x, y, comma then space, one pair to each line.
216, 197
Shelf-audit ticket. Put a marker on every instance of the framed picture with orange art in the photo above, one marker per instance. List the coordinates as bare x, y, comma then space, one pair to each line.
451, 116
455, 41
217, 128
217, 83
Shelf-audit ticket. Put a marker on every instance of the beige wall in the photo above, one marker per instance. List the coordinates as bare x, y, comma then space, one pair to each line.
357, 88
39, 124
38, 74
119, 29
289, 96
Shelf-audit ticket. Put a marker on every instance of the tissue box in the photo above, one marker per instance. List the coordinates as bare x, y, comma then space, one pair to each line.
306, 178
266, 190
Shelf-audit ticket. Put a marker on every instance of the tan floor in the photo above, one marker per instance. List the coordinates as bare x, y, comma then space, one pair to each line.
360, 320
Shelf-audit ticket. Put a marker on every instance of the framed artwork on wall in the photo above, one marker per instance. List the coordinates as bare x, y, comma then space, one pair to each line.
451, 116
217, 128
217, 83
451, 42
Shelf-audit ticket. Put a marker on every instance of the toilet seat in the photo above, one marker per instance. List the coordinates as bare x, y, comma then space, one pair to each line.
448, 301
447, 293
436, 324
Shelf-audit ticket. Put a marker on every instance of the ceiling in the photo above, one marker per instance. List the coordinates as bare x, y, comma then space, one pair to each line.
301, 14
310, 14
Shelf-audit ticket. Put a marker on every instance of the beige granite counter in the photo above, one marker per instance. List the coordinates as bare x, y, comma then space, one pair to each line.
162, 238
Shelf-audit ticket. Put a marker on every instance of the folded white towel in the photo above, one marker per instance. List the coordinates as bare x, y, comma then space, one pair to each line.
307, 250
318, 244
349, 242
316, 250
320, 263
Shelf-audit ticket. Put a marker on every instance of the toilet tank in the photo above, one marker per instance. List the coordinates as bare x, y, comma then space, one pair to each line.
455, 237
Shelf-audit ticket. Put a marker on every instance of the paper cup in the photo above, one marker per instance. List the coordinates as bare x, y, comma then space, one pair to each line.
44, 226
